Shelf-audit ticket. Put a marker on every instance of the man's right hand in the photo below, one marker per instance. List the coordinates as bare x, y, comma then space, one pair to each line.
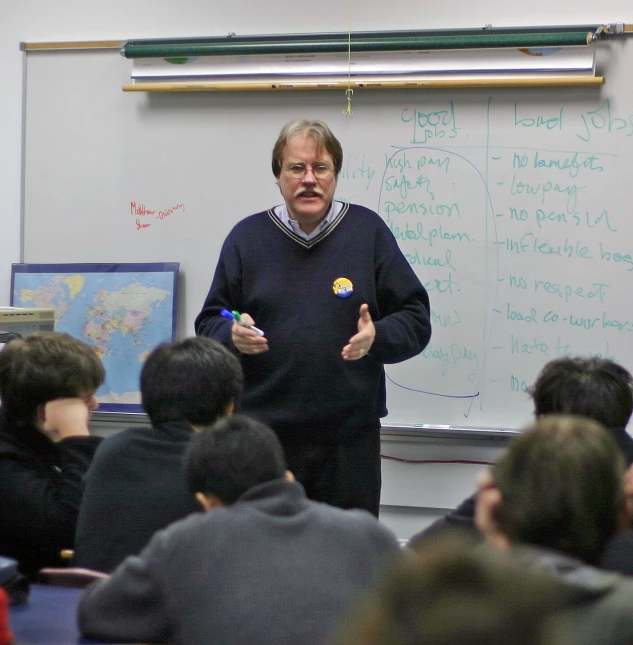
246, 340
64, 418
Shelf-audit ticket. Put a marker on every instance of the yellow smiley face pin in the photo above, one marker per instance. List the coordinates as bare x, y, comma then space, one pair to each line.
342, 287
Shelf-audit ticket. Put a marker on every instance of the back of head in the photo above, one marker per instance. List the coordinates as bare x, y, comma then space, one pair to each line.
42, 367
561, 485
231, 457
596, 388
453, 594
192, 380
317, 130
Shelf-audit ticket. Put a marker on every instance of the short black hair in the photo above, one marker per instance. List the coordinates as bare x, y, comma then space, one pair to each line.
192, 380
561, 484
42, 367
592, 387
231, 457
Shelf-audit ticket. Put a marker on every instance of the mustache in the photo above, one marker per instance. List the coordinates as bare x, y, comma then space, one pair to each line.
309, 191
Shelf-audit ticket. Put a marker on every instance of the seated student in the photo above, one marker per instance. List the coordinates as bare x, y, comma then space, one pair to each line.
452, 591
47, 386
265, 565
135, 485
553, 501
595, 388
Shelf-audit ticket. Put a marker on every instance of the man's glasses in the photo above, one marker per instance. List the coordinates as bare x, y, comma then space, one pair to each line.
298, 171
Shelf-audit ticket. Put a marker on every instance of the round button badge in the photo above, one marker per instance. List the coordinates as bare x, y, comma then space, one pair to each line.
342, 287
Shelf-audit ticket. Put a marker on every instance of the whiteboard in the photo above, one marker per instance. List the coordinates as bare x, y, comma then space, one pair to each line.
512, 206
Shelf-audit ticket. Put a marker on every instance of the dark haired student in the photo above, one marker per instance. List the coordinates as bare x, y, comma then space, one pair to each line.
264, 565
135, 485
588, 386
47, 386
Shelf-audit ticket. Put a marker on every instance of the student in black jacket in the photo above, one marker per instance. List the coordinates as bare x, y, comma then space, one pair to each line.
47, 386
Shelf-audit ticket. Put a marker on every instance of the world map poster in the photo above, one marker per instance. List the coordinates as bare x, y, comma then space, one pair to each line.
122, 310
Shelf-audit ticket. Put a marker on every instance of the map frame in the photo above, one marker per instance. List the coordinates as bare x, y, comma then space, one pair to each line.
118, 267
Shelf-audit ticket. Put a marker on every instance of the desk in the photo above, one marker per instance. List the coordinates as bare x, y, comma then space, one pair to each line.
49, 617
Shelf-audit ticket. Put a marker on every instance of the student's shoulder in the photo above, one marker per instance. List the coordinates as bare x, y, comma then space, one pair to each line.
608, 609
186, 536
8, 444
621, 591
112, 445
355, 522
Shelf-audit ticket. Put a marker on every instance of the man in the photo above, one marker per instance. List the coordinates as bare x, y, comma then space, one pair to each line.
555, 499
47, 386
264, 565
592, 387
135, 485
336, 299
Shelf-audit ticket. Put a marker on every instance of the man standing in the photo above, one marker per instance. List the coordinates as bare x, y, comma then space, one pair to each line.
336, 299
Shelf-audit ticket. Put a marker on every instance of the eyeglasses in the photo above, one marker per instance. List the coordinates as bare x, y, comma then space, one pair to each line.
298, 171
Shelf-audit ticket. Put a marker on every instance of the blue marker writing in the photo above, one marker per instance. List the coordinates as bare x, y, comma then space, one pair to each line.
235, 317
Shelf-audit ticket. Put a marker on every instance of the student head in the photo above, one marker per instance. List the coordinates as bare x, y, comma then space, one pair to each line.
596, 388
224, 461
449, 593
559, 485
195, 380
42, 367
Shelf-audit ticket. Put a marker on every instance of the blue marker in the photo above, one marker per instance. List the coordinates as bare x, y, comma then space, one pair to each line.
235, 317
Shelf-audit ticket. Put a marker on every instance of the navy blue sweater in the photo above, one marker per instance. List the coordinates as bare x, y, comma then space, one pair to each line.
302, 387
40, 492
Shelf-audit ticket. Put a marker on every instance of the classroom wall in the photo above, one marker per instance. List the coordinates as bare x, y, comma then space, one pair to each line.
416, 493
42, 20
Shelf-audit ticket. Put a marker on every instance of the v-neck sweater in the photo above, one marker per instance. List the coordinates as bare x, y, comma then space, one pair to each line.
302, 387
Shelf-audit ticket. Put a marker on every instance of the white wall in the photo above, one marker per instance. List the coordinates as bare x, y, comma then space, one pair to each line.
68, 20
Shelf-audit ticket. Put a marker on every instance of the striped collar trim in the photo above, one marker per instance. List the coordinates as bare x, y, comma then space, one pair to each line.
307, 244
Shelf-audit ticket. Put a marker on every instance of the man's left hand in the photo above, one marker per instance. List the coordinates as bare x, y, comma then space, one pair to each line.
360, 344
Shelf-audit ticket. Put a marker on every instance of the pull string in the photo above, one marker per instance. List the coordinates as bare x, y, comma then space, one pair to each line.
349, 91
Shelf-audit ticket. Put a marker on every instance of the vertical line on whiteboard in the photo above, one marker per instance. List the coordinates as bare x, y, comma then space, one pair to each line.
349, 91
488, 322
488, 215
486, 294
23, 163
484, 366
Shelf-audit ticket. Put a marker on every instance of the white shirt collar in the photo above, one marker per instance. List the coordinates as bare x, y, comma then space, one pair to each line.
282, 214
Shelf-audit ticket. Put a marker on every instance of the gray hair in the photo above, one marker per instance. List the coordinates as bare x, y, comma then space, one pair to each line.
320, 132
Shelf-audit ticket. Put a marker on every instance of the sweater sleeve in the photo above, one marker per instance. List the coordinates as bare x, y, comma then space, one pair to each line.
75, 457
225, 293
404, 327
129, 605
